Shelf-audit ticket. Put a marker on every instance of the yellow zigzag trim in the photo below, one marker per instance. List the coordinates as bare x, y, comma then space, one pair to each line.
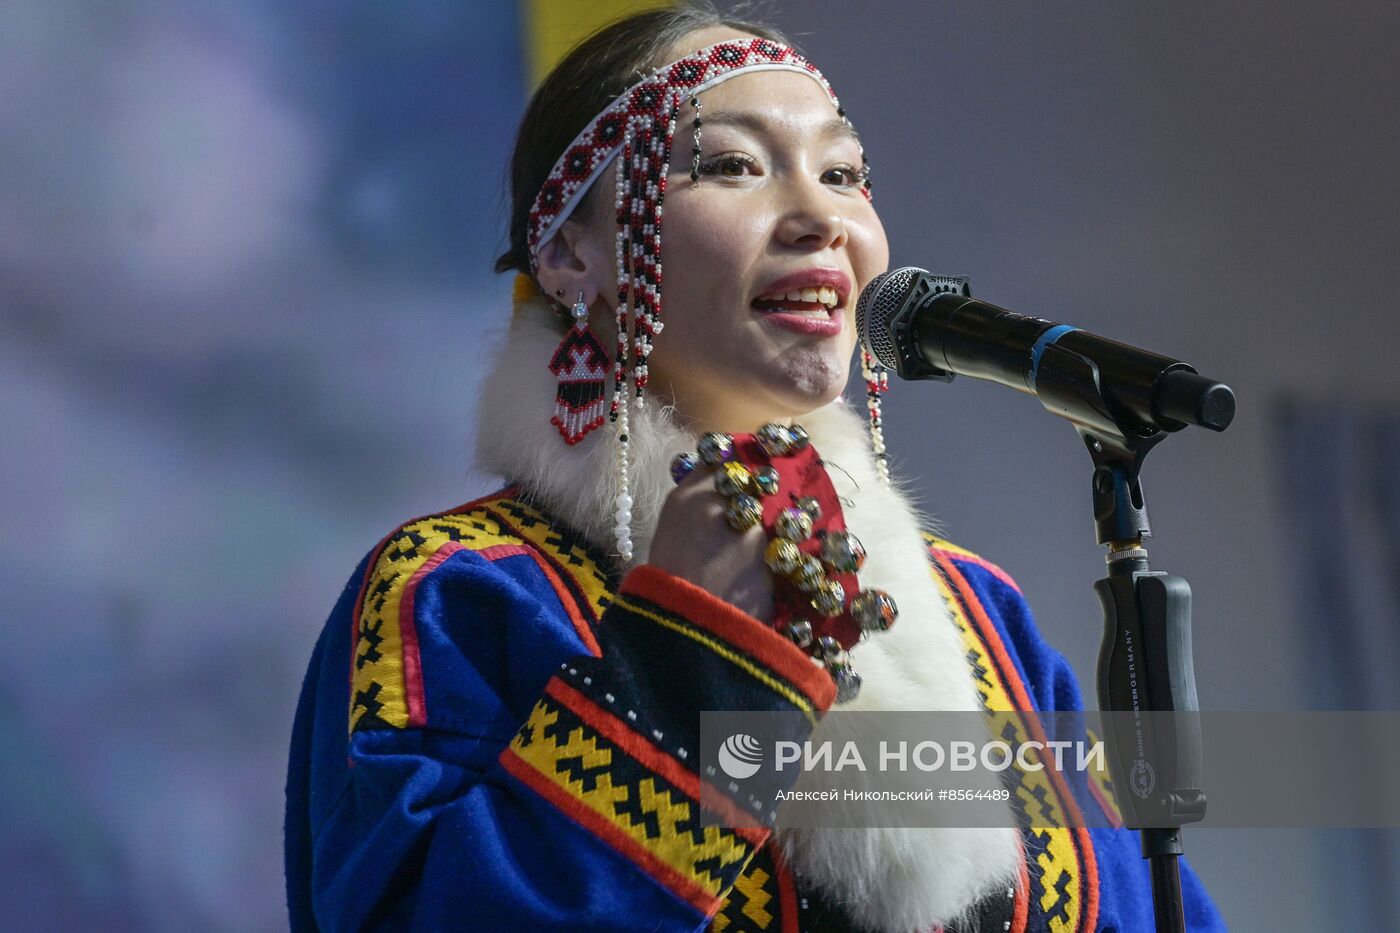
751, 885
1060, 855
675, 848
747, 906
534, 526
378, 678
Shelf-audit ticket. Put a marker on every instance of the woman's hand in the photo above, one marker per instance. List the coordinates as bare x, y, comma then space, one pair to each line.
695, 542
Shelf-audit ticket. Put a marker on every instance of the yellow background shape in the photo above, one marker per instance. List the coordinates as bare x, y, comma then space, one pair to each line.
553, 27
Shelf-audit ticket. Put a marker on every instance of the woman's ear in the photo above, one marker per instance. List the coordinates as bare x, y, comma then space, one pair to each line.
571, 262
582, 254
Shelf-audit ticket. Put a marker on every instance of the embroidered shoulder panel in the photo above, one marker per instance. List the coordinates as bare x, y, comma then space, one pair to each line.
386, 687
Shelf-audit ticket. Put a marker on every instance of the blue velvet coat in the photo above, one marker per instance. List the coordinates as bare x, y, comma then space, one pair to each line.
495, 733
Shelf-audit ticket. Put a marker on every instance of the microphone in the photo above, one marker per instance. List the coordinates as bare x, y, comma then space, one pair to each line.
926, 326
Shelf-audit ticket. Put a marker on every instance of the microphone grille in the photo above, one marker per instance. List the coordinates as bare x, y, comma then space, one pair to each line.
878, 303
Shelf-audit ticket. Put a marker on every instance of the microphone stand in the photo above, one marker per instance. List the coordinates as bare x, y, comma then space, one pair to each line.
1145, 660
930, 327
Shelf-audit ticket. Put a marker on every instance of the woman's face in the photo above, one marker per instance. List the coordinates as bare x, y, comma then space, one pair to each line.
778, 219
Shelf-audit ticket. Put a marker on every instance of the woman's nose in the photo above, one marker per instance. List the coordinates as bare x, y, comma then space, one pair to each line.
811, 221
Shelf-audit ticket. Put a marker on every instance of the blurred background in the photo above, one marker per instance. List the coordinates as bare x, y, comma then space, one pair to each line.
245, 254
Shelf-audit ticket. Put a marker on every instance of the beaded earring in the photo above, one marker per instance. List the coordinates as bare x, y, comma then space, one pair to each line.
580, 365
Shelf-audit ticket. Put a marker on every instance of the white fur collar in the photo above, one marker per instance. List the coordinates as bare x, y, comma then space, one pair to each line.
890, 880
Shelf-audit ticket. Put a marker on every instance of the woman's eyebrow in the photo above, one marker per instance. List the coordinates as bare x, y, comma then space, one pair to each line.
756, 123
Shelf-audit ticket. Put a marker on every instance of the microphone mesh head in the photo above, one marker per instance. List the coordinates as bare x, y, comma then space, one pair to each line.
879, 302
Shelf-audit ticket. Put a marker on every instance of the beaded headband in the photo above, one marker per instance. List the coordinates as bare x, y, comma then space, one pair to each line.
653, 99
639, 126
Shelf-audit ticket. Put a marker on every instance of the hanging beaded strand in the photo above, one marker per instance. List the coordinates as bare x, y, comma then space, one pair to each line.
622, 531
877, 383
695, 147
621, 401
648, 316
639, 184
623, 204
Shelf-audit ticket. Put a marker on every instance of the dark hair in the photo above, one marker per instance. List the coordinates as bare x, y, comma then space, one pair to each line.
589, 78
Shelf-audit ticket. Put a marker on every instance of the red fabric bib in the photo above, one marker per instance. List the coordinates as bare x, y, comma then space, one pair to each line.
800, 475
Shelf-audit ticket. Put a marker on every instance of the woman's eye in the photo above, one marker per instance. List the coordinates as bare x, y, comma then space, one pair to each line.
843, 175
729, 165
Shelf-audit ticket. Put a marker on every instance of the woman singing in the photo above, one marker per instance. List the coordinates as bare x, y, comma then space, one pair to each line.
499, 726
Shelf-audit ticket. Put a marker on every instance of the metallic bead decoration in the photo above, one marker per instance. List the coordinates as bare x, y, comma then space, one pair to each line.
808, 574
766, 480
782, 556
847, 682
715, 448
743, 513
830, 650
800, 631
735, 479
829, 598
775, 439
682, 465
799, 437
874, 610
842, 551
811, 506
793, 524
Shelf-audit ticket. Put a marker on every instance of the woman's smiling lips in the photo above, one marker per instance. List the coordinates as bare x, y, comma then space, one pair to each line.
818, 326
807, 302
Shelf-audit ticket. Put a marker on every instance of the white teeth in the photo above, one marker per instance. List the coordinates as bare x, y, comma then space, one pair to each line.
825, 295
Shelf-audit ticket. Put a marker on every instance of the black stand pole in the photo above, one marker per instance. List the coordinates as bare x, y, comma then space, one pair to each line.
1145, 667
1166, 878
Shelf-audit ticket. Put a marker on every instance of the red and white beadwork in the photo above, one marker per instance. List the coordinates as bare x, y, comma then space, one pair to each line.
639, 126
580, 365
652, 100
